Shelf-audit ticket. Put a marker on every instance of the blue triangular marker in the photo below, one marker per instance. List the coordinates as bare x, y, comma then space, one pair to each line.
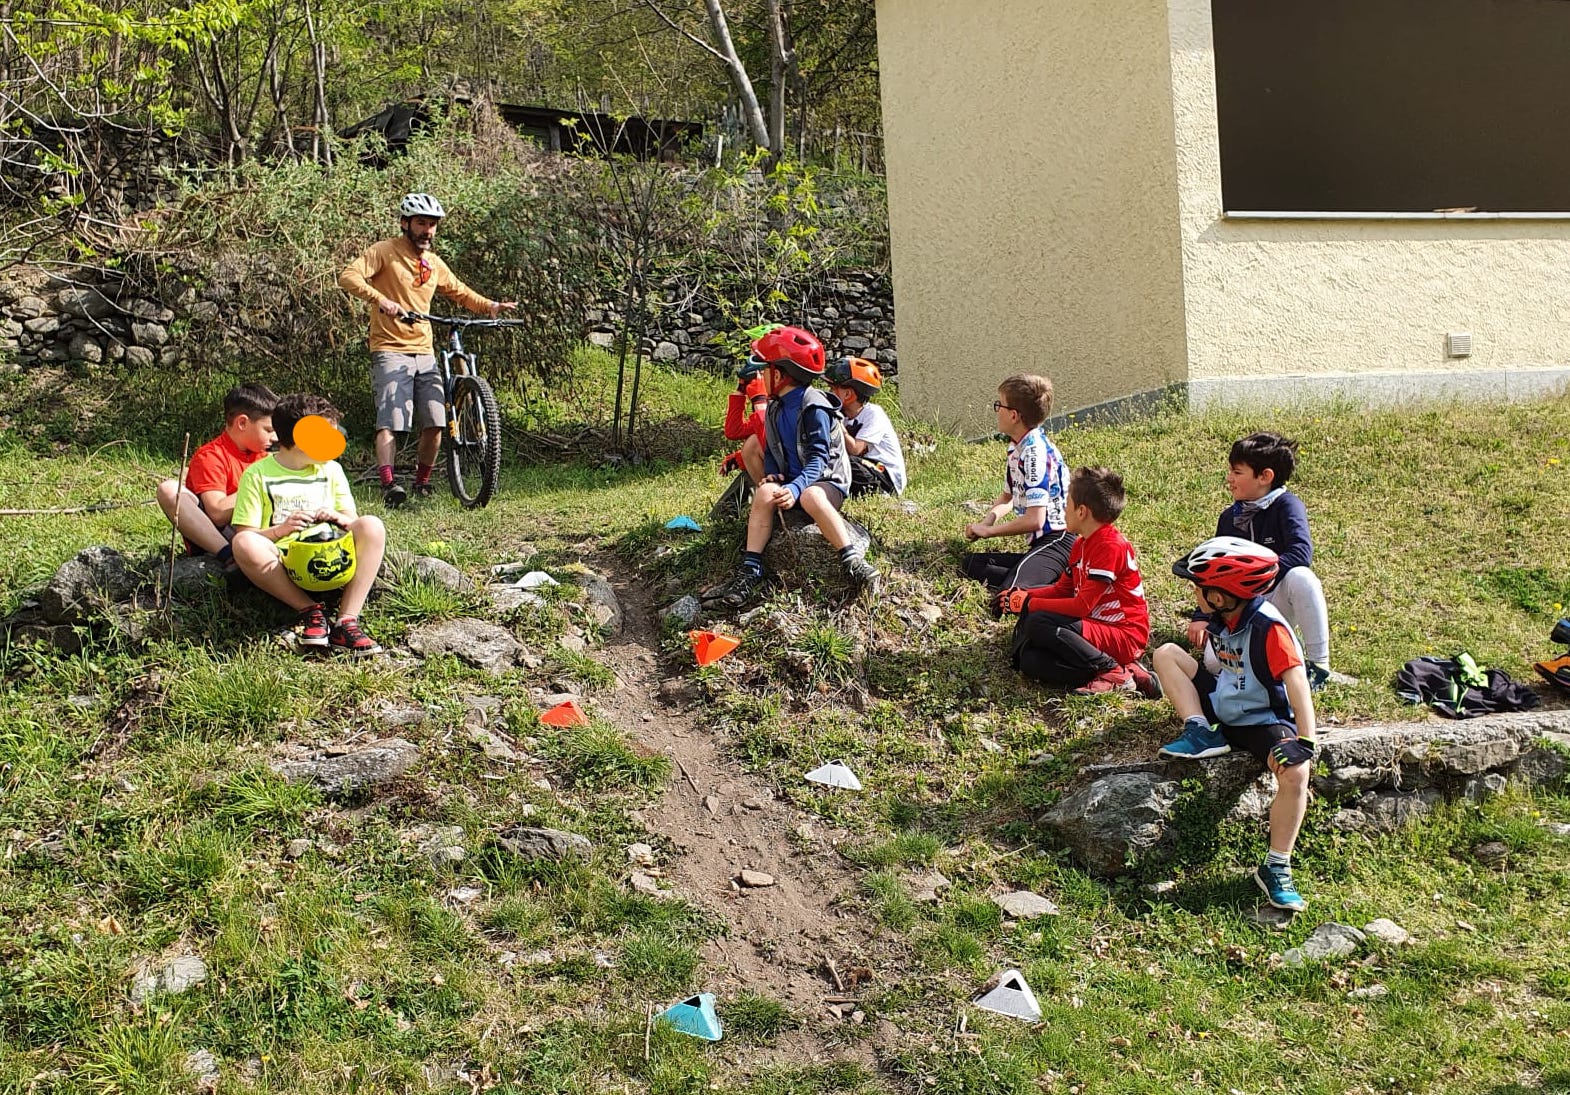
695, 1016
684, 524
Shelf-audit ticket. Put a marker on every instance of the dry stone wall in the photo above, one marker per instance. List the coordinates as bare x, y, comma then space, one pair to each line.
87, 323
853, 314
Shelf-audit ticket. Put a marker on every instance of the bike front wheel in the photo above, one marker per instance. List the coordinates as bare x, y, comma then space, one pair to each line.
474, 442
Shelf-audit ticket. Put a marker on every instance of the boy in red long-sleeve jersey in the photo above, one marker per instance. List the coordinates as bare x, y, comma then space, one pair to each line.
1087, 630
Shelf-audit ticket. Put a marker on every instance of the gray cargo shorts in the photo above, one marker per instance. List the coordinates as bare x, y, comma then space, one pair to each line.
408, 391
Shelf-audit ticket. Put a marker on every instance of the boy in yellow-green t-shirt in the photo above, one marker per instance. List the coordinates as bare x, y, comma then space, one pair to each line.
285, 494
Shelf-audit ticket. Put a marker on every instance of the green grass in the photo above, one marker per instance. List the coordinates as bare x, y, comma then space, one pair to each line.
139, 818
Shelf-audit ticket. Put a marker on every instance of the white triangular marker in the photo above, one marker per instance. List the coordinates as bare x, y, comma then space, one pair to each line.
835, 774
1008, 994
536, 579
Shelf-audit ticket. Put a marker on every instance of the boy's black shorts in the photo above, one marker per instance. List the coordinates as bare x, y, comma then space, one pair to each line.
869, 477
1255, 740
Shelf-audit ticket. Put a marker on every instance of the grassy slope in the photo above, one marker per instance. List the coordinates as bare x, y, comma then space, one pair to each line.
351, 970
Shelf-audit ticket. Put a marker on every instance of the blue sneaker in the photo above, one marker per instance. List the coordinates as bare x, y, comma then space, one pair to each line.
1197, 744
1279, 888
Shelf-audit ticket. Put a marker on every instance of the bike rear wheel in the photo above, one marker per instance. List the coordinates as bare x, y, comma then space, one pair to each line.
474, 442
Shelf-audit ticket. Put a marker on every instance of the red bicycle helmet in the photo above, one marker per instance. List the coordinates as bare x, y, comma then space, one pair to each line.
857, 373
1230, 564
796, 350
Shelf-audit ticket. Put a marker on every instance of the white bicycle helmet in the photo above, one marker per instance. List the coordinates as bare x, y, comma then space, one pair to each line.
420, 205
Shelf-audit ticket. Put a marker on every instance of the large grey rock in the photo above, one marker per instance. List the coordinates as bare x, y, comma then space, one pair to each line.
1380, 776
1387, 932
86, 586
139, 357
349, 773
478, 643
1024, 905
801, 557
685, 612
85, 348
438, 572
1115, 821
600, 598
149, 334
85, 303
1329, 940
180, 975
527, 842
1385, 811
193, 575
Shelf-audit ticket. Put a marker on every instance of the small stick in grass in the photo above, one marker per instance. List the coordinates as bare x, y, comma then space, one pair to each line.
648, 1029
174, 532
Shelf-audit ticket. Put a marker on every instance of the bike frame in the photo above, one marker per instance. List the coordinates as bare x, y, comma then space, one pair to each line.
455, 362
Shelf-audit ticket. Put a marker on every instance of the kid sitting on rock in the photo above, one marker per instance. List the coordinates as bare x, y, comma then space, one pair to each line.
206, 504
1035, 493
1258, 699
1087, 630
877, 461
289, 499
804, 461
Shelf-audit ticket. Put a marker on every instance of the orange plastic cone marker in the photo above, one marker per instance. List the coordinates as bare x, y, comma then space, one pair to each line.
710, 646
566, 713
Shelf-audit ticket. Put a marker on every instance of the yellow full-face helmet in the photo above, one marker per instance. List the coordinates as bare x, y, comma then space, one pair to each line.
319, 558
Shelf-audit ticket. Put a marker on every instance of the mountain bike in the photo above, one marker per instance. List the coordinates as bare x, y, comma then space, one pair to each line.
473, 438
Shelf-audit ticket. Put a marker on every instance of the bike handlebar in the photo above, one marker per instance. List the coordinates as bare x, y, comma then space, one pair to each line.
460, 321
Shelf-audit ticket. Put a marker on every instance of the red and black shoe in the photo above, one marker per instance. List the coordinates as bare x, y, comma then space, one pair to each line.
347, 638
1146, 683
1117, 679
312, 627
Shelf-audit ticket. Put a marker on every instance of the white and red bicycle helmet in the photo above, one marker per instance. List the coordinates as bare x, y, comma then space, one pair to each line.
1231, 564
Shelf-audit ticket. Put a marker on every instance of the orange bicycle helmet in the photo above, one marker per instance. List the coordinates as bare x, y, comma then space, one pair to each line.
1231, 564
858, 374
796, 351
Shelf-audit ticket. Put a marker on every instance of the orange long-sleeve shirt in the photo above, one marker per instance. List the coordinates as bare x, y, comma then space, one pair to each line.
390, 269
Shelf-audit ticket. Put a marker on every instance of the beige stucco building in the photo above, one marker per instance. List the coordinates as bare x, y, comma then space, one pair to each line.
1056, 205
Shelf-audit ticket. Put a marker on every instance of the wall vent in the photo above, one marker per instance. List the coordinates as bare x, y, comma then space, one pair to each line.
1458, 344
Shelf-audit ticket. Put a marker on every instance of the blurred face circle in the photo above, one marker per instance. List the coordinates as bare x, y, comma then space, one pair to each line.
421, 231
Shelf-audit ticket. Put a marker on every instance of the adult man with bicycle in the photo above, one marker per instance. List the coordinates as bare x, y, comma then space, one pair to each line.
396, 276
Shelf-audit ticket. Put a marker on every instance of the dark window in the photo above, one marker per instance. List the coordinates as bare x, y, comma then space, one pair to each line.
1394, 105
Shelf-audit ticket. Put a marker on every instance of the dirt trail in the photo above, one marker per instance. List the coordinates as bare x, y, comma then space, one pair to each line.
721, 821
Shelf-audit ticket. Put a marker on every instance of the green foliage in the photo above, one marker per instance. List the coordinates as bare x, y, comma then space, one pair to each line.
756, 1018
214, 696
257, 797
139, 1057
598, 757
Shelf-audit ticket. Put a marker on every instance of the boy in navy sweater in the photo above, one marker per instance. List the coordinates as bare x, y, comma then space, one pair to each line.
1268, 514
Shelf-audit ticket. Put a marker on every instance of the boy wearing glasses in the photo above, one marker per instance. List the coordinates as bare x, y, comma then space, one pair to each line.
1034, 501
403, 275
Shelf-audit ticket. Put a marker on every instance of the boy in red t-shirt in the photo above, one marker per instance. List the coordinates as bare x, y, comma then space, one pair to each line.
207, 501
744, 414
1087, 630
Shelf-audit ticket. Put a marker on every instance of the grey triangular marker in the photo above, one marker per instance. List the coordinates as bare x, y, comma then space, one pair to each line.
835, 774
1008, 994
